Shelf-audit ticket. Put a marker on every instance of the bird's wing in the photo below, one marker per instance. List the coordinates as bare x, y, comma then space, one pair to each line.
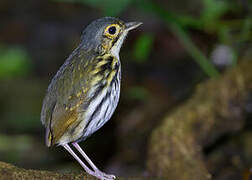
66, 93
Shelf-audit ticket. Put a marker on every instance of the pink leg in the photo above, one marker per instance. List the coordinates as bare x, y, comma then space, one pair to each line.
67, 147
96, 170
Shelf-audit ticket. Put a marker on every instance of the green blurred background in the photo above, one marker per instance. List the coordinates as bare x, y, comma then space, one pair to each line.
180, 44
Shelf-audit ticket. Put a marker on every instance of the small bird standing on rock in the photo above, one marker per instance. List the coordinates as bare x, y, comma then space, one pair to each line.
84, 93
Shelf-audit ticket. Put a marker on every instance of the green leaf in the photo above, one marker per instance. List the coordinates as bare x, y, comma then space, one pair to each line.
13, 62
143, 47
214, 9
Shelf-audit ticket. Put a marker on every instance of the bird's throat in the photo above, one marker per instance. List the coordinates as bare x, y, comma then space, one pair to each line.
118, 44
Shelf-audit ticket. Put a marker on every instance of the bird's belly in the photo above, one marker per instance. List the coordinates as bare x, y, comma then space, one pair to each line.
107, 103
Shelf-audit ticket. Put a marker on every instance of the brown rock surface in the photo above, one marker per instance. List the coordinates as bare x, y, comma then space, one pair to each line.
216, 108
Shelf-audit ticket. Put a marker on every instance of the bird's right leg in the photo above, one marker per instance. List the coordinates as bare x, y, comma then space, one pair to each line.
89, 171
67, 147
96, 170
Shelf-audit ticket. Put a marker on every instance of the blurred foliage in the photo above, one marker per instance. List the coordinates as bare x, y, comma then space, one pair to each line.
143, 46
108, 7
14, 62
19, 142
182, 35
213, 10
246, 33
210, 20
138, 93
16, 148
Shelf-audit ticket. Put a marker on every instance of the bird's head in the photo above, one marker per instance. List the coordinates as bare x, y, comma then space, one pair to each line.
106, 35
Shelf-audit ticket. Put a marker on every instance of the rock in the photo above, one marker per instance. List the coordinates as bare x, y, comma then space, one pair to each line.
215, 109
10, 172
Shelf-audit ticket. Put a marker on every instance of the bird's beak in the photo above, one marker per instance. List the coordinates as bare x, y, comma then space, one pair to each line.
132, 25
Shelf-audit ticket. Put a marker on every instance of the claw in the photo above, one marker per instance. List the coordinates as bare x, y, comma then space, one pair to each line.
102, 176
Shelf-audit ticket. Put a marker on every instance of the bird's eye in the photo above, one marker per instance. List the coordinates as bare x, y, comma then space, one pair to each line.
112, 30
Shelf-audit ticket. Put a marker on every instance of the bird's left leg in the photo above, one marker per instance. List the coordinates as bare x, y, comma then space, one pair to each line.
96, 170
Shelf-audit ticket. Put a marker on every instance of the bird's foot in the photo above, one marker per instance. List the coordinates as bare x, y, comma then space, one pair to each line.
103, 176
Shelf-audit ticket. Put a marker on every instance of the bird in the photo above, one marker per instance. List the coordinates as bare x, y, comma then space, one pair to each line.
85, 91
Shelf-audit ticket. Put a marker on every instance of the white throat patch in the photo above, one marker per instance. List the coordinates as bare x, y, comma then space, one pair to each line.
117, 46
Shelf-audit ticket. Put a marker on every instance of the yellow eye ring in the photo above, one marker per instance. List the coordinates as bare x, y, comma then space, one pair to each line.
112, 30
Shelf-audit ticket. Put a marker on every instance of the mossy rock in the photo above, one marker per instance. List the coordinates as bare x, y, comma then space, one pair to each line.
215, 109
